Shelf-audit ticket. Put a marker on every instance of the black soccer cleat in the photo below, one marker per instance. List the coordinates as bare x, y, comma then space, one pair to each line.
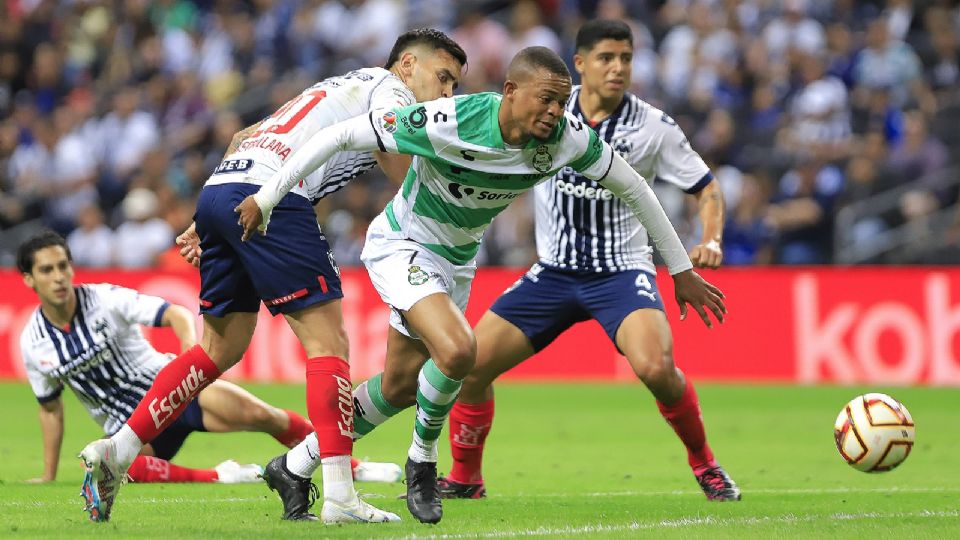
423, 497
455, 490
298, 494
717, 485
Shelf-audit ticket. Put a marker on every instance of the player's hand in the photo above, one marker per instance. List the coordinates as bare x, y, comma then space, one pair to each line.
707, 255
250, 217
692, 289
189, 243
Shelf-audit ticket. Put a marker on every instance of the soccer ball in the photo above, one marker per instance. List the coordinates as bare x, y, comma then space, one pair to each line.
874, 433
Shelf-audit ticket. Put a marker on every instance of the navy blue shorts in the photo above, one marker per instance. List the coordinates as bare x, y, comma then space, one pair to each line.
545, 302
289, 269
168, 443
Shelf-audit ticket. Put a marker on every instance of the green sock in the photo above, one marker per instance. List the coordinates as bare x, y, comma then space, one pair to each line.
370, 408
436, 394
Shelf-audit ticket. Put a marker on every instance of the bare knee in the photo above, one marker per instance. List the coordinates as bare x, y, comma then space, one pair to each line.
333, 342
654, 366
456, 353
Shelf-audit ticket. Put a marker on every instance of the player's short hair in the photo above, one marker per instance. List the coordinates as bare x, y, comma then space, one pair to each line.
429, 37
593, 32
44, 239
532, 59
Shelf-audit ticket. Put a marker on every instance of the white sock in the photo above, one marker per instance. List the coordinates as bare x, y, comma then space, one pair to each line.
338, 479
127, 444
304, 458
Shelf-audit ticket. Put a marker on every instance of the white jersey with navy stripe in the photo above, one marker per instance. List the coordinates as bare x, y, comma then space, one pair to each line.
102, 356
328, 102
581, 225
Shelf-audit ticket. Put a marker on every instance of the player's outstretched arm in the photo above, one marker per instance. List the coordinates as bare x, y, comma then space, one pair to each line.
356, 134
689, 287
709, 253
51, 426
181, 320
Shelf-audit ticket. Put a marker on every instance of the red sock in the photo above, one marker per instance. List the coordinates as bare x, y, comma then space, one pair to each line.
469, 427
176, 384
147, 469
353, 463
296, 432
330, 404
687, 421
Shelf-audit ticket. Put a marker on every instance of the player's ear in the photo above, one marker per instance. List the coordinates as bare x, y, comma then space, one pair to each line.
578, 61
407, 61
29, 281
509, 88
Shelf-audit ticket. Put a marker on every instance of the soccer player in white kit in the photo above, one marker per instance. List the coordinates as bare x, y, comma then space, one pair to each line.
595, 264
292, 273
473, 156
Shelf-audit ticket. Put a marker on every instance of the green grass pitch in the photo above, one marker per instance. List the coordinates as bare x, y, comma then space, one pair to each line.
563, 461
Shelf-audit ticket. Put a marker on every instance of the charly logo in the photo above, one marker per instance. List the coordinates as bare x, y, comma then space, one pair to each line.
457, 192
389, 122
416, 275
623, 147
418, 118
542, 160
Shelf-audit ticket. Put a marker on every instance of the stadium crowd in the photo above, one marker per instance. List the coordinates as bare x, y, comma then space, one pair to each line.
114, 112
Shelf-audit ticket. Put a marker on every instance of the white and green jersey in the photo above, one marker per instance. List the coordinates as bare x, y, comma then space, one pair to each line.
463, 174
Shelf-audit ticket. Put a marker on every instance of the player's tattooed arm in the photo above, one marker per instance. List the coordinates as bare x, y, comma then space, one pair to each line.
239, 137
708, 253
51, 426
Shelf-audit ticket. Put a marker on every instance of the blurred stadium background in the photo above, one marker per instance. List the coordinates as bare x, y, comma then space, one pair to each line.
833, 127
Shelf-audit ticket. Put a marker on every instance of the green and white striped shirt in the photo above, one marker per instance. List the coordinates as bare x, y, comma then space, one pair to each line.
463, 174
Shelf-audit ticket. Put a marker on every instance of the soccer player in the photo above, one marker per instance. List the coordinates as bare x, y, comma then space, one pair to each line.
292, 273
89, 338
473, 156
595, 264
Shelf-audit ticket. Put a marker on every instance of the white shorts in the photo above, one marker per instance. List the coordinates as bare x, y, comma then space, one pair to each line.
404, 272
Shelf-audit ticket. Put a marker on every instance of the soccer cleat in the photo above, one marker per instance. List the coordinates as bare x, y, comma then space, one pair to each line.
455, 490
231, 472
298, 494
717, 485
104, 476
423, 498
355, 511
372, 471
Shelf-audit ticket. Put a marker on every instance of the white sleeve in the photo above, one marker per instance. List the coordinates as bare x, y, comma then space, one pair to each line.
678, 163
391, 93
633, 190
45, 387
357, 134
136, 308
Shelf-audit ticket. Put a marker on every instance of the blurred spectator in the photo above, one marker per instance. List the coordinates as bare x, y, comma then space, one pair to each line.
819, 114
918, 153
125, 135
92, 242
527, 30
794, 33
891, 64
144, 236
747, 238
802, 212
692, 55
481, 38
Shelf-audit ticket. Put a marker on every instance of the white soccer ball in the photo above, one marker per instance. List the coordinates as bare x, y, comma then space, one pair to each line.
874, 433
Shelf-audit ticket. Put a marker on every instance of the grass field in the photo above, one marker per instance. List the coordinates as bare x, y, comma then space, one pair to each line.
562, 461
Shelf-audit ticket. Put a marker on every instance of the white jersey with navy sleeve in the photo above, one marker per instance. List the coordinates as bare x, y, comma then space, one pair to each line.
102, 356
330, 101
581, 225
